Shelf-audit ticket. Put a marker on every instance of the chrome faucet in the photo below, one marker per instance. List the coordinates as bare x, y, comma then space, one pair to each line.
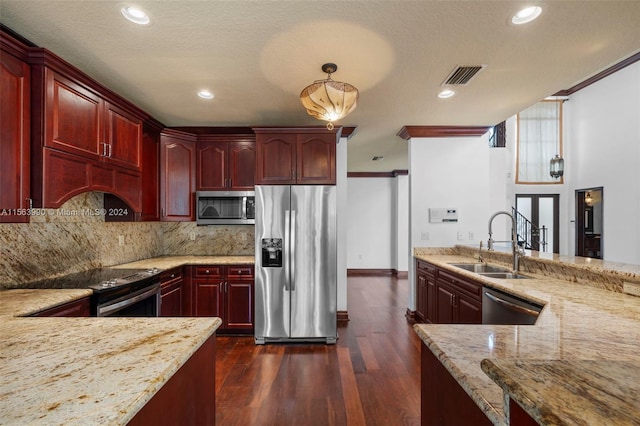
514, 239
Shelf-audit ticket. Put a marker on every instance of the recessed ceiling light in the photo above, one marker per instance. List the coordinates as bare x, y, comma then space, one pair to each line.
205, 94
446, 93
135, 15
526, 15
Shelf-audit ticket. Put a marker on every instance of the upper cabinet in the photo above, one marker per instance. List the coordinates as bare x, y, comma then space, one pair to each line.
84, 137
225, 165
177, 175
296, 155
15, 95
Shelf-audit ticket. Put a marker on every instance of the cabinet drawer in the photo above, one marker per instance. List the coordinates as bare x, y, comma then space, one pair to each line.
245, 271
173, 274
426, 268
209, 271
469, 287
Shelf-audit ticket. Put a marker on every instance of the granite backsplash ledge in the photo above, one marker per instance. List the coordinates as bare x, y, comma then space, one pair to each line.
40, 250
188, 239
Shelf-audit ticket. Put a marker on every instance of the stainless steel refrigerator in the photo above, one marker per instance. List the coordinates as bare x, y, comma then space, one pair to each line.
296, 263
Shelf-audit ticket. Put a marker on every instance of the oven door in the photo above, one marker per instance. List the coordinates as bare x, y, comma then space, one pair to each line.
142, 303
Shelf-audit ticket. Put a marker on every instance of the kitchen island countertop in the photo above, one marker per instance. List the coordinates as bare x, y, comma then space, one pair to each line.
580, 329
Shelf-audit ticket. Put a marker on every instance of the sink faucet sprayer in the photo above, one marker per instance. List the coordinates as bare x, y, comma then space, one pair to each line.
514, 239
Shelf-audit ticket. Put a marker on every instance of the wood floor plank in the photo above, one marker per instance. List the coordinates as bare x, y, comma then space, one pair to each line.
371, 376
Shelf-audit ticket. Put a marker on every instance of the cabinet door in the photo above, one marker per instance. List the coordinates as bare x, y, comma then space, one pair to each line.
432, 299
211, 166
171, 299
77, 308
177, 158
468, 310
73, 118
15, 83
445, 300
242, 166
316, 159
150, 175
123, 138
239, 304
208, 298
275, 158
421, 297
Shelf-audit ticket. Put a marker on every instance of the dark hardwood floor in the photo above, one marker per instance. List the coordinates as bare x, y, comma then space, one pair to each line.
370, 377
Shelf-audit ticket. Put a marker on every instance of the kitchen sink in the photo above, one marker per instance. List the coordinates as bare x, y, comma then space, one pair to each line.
480, 268
503, 275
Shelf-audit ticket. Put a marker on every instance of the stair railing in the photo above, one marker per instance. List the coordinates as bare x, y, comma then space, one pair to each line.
530, 236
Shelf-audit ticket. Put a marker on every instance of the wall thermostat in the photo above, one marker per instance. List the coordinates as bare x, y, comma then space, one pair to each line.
443, 215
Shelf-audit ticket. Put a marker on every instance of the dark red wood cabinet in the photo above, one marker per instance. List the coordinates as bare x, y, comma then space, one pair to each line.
295, 156
443, 401
225, 291
15, 113
84, 137
444, 297
172, 293
150, 174
177, 176
225, 165
77, 308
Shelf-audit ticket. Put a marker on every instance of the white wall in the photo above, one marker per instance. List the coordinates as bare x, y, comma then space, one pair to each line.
456, 173
343, 222
370, 236
601, 138
603, 149
378, 233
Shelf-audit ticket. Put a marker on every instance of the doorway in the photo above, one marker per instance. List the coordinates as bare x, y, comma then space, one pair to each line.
589, 223
544, 213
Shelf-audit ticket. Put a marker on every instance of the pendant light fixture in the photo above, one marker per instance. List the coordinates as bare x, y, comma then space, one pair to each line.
556, 166
329, 100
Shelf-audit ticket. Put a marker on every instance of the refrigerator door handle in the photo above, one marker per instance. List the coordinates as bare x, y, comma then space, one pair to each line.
292, 246
287, 250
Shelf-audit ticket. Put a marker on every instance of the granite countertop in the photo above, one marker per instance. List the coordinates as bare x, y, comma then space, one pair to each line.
25, 302
91, 370
168, 262
579, 325
81, 371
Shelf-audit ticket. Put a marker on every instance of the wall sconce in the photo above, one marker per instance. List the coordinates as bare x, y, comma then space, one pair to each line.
588, 199
327, 99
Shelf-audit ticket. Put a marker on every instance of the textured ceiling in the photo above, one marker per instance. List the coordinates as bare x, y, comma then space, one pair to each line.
256, 56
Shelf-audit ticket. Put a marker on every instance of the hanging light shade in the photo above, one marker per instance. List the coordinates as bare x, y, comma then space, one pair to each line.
329, 100
556, 167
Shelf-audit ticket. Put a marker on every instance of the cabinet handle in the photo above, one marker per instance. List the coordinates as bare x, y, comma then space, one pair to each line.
173, 275
226, 288
30, 203
230, 183
206, 272
110, 150
104, 149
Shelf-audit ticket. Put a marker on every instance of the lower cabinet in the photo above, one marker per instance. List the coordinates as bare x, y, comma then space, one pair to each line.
189, 397
225, 291
442, 400
77, 308
172, 293
444, 297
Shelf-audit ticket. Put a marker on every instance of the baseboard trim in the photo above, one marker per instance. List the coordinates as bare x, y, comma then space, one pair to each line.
410, 316
343, 317
377, 273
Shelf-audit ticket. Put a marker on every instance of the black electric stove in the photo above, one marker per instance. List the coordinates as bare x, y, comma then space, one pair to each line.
110, 286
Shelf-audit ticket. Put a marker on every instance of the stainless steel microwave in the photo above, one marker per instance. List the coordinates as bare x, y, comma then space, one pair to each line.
225, 208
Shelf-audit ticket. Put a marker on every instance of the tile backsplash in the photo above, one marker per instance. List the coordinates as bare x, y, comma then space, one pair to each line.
69, 240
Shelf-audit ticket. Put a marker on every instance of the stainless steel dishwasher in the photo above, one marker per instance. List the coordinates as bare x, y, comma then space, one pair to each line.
499, 307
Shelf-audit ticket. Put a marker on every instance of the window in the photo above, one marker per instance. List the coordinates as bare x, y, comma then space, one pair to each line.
539, 140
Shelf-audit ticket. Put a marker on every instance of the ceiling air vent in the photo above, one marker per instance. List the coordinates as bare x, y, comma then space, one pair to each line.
462, 75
